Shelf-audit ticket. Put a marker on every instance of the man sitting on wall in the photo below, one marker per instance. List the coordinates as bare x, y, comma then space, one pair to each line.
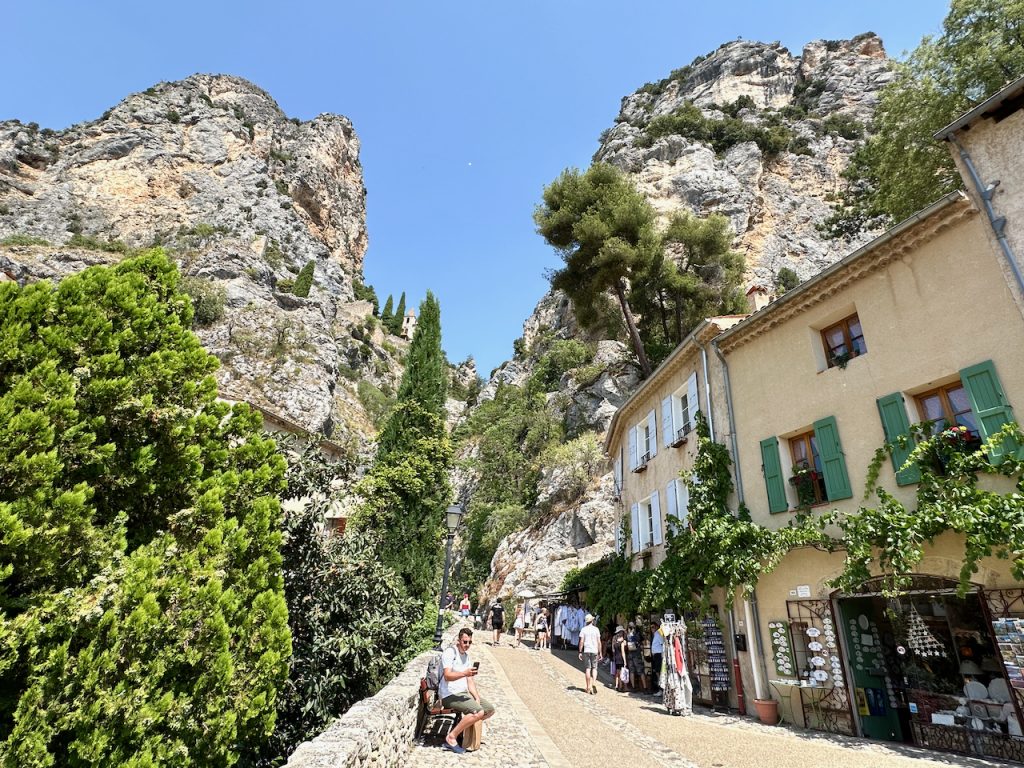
458, 688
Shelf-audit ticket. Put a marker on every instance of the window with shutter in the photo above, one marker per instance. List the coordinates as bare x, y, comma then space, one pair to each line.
671, 526
833, 463
682, 503
692, 402
634, 527
656, 537
668, 434
896, 427
771, 467
652, 434
990, 407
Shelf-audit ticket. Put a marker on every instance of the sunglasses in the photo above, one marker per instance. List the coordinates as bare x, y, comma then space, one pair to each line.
467, 642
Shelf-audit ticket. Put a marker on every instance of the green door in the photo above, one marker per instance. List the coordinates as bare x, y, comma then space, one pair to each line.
878, 719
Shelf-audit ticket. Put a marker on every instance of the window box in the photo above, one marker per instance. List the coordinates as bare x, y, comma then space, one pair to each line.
681, 435
642, 465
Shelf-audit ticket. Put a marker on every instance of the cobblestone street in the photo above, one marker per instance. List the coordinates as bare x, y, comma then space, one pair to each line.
544, 718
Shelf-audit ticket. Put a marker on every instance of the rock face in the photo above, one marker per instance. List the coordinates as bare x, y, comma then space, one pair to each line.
824, 99
239, 195
820, 101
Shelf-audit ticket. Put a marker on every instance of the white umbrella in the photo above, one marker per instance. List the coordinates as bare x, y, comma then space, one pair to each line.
526, 593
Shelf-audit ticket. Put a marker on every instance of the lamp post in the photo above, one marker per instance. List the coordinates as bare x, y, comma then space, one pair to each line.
452, 516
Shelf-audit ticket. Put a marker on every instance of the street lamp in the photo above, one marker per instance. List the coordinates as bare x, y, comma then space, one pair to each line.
452, 516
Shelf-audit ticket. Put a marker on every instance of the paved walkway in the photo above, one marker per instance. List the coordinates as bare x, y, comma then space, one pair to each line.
545, 718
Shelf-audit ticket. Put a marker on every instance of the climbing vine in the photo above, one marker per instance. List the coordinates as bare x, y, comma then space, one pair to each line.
959, 491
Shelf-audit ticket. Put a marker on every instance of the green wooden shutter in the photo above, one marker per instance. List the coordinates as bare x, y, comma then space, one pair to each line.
772, 469
895, 425
989, 405
837, 481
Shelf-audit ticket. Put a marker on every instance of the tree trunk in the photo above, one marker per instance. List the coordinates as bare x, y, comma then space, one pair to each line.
634, 335
664, 314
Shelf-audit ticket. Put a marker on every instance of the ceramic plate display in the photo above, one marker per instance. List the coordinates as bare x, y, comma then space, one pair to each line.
813, 632
863, 621
815, 646
820, 674
817, 661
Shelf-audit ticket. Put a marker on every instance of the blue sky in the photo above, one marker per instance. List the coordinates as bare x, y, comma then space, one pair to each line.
465, 110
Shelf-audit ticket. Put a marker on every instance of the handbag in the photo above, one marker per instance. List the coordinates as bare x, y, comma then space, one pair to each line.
624, 675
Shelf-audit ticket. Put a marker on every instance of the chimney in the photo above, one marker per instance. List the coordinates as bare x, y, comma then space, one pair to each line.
758, 298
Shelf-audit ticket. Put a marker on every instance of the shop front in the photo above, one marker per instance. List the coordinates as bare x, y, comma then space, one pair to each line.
934, 667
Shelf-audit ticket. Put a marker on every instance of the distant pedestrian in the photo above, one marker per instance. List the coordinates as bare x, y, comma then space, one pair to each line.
635, 656
541, 628
619, 658
519, 624
464, 606
448, 601
497, 620
590, 652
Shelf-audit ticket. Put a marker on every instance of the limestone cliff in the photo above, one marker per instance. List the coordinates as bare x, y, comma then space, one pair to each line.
816, 107
240, 196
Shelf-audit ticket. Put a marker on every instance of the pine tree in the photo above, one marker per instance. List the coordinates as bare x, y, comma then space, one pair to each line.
396, 321
407, 488
387, 313
142, 613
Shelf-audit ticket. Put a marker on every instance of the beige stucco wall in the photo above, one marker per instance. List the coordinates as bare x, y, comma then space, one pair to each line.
995, 149
939, 308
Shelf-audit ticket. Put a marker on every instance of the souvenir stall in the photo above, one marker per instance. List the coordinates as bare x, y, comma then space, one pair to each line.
677, 691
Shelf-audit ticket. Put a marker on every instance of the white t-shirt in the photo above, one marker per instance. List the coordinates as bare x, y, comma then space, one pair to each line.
590, 636
457, 662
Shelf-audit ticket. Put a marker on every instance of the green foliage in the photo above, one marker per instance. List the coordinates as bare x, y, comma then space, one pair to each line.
890, 538
208, 300
406, 489
349, 616
696, 275
901, 168
304, 281
24, 240
688, 121
575, 463
562, 356
604, 231
387, 313
395, 325
285, 286
786, 280
173, 116
91, 243
272, 254
844, 125
377, 404
365, 292
142, 614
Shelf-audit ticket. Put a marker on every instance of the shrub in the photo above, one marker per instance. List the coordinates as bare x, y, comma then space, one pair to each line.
786, 280
142, 617
375, 402
208, 300
575, 463
304, 281
24, 240
844, 125
91, 243
285, 286
173, 116
564, 355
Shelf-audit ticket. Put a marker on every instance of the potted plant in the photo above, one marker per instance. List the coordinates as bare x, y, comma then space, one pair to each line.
803, 479
840, 359
767, 711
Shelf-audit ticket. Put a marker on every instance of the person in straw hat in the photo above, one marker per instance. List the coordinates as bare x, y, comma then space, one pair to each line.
590, 652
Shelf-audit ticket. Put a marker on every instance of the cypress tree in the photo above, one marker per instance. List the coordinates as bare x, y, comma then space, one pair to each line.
407, 487
387, 313
304, 281
396, 321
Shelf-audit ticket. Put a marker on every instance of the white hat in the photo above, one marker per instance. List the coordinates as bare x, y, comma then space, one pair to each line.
588, 618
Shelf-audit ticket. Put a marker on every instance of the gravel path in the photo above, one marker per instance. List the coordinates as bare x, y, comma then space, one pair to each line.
545, 718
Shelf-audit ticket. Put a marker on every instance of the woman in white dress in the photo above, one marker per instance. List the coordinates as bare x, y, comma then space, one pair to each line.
518, 626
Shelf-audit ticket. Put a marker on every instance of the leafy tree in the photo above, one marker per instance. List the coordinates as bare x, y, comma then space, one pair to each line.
348, 612
697, 275
396, 320
901, 168
604, 231
142, 614
387, 313
407, 487
304, 280
786, 280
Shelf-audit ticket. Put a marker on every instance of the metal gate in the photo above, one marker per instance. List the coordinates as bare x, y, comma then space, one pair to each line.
825, 708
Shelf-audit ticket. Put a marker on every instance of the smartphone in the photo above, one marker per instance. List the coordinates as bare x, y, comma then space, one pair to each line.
476, 665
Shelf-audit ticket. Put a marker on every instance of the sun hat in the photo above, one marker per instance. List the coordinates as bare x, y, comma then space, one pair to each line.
588, 618
619, 628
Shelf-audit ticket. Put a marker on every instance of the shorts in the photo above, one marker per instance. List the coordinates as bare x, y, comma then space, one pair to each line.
590, 662
465, 612
636, 664
497, 627
466, 704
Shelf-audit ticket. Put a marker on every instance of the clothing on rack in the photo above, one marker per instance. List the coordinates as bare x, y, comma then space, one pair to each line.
677, 691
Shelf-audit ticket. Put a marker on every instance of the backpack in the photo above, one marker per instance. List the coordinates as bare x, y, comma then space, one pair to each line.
435, 668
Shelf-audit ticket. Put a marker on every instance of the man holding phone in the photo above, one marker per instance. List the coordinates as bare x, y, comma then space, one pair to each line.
458, 688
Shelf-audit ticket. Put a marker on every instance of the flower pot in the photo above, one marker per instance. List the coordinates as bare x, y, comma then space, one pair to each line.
767, 710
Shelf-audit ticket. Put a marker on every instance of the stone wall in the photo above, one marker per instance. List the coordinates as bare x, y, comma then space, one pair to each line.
377, 731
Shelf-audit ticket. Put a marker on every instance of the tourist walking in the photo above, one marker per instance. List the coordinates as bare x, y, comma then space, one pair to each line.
541, 628
464, 606
447, 601
458, 691
520, 622
590, 652
621, 662
497, 621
